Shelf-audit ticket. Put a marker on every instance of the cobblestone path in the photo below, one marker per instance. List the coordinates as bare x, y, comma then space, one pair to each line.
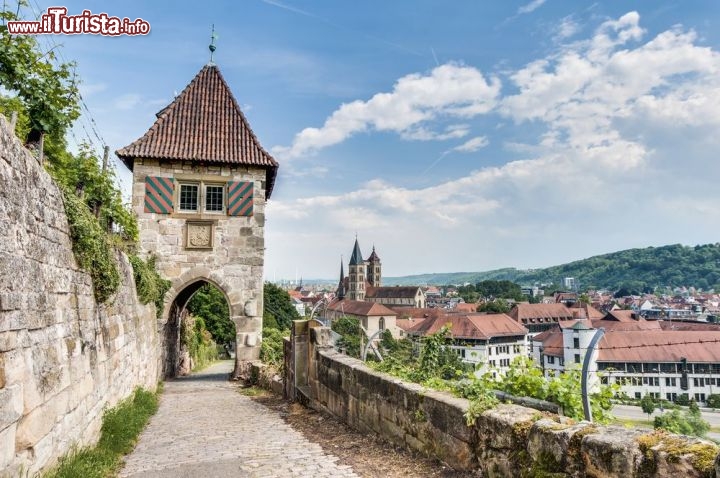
205, 428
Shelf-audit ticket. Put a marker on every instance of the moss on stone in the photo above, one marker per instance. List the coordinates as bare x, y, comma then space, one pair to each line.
702, 455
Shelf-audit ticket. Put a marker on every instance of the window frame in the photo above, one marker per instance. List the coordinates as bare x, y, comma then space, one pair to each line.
223, 199
197, 186
201, 186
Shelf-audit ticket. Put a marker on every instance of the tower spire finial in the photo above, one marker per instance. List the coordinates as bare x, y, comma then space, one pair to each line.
212, 46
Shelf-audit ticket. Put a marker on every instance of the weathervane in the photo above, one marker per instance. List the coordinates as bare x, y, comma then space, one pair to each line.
212, 46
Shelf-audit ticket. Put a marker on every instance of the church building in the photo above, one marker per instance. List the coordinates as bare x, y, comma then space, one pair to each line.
364, 283
361, 294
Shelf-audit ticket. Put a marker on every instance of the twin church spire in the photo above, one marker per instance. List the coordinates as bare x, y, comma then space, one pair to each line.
362, 273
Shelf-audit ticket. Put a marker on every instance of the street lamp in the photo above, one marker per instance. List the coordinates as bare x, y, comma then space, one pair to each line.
659, 372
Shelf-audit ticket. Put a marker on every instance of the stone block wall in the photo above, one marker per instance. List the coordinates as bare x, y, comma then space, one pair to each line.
507, 441
63, 357
234, 259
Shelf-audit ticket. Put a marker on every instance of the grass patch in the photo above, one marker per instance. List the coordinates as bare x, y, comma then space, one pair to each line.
253, 391
121, 427
632, 423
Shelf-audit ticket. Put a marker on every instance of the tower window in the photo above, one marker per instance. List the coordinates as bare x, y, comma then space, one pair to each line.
189, 197
214, 198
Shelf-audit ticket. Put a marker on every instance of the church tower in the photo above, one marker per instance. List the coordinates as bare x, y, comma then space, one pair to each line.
341, 285
357, 269
374, 269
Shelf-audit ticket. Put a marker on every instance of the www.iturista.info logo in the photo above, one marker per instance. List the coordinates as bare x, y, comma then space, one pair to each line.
57, 21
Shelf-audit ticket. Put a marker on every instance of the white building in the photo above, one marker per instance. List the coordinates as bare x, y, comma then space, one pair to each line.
488, 341
643, 357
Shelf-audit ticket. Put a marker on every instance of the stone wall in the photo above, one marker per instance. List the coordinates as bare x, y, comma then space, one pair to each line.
233, 260
507, 441
63, 358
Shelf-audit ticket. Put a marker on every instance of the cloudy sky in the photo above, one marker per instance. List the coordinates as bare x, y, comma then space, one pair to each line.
454, 135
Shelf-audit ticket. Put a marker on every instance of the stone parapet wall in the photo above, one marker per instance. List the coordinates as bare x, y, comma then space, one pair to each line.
63, 357
507, 441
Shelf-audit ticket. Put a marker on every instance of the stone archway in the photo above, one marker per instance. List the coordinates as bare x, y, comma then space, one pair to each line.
243, 313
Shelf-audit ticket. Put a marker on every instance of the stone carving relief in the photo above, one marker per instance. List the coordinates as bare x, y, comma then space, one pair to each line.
199, 235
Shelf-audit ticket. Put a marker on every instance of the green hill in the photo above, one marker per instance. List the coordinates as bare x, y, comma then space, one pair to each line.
637, 269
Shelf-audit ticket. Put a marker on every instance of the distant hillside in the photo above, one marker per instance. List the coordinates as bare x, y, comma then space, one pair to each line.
637, 269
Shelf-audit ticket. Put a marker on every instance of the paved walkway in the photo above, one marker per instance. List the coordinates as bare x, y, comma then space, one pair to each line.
205, 428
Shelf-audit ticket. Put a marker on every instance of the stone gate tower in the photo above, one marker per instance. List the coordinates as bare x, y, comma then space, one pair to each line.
200, 183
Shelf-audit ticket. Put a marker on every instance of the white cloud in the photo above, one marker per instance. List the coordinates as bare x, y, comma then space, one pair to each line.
628, 137
127, 101
567, 28
472, 145
88, 89
424, 134
530, 7
449, 90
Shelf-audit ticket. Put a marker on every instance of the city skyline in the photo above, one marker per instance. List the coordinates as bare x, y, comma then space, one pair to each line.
466, 138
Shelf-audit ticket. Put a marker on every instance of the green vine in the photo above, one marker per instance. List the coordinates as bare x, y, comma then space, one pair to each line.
151, 287
91, 246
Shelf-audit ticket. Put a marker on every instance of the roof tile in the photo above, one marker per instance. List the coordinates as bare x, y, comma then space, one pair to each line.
204, 123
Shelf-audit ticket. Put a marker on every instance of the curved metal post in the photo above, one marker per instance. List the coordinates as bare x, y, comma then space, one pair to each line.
586, 365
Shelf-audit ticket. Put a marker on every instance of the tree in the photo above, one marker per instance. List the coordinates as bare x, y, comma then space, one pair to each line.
498, 306
209, 303
278, 304
648, 405
504, 289
688, 423
350, 333
48, 94
713, 400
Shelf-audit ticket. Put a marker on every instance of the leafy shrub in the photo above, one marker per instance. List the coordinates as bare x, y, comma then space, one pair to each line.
209, 303
198, 341
272, 348
350, 332
687, 423
91, 247
150, 286
713, 400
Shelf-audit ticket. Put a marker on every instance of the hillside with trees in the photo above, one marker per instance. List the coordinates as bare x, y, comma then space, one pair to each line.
634, 269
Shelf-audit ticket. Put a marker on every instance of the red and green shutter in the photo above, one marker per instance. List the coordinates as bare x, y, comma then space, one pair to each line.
240, 198
159, 194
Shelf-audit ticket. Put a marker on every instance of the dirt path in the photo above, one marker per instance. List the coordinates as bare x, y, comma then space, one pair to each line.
366, 454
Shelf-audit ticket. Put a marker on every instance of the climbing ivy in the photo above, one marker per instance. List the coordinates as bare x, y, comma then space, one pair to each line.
45, 97
150, 286
91, 246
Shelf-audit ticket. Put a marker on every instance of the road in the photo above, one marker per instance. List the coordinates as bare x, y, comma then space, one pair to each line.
205, 428
631, 412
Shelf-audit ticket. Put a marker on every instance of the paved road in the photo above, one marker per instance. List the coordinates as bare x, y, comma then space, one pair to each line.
205, 428
636, 413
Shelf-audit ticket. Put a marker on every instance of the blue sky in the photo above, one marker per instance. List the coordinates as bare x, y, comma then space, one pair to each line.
455, 136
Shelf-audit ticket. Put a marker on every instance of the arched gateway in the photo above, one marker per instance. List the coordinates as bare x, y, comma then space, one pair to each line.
200, 183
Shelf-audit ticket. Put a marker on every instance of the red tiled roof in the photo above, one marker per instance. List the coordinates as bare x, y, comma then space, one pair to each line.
465, 307
397, 292
553, 343
660, 346
417, 312
674, 325
590, 311
359, 307
471, 326
611, 325
525, 312
620, 315
204, 123
407, 324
